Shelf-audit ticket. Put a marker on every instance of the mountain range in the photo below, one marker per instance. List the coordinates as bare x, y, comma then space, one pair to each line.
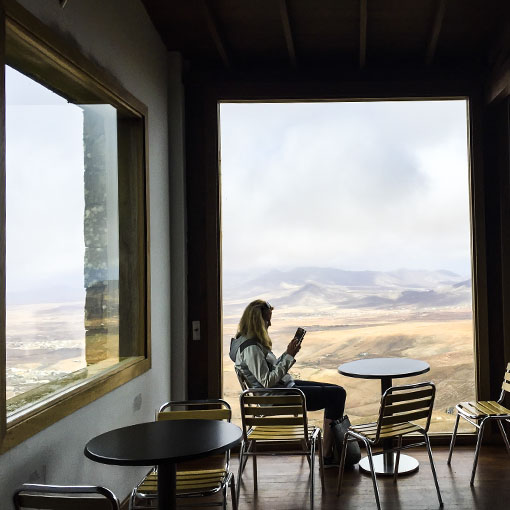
321, 287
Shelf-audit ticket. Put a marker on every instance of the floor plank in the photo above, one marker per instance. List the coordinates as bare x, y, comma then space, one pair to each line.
284, 485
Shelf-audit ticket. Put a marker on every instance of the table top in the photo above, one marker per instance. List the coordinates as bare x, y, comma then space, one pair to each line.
379, 368
160, 442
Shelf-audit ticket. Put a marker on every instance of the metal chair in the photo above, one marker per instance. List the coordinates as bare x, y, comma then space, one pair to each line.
63, 497
399, 405
199, 478
483, 411
242, 381
275, 418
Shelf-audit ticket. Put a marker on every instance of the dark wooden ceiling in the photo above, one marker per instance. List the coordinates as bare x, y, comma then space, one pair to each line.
343, 34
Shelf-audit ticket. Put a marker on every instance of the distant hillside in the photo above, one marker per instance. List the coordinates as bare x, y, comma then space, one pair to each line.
332, 276
336, 288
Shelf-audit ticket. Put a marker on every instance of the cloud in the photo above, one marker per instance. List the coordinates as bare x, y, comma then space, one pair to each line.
374, 185
19, 90
45, 200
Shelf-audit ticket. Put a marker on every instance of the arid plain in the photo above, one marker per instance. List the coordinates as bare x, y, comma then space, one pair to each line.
438, 331
446, 345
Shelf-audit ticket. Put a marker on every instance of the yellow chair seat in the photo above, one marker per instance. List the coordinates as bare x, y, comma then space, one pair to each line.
400, 407
275, 417
482, 408
369, 430
198, 477
187, 481
277, 433
478, 413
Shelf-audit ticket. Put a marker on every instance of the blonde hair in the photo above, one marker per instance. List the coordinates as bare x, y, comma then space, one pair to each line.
252, 323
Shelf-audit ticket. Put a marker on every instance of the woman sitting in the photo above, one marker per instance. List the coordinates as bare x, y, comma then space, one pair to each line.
260, 368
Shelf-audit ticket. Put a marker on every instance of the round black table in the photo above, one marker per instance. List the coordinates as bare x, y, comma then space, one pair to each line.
386, 369
163, 443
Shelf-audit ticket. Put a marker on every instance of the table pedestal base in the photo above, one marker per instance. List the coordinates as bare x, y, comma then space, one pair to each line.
166, 486
384, 464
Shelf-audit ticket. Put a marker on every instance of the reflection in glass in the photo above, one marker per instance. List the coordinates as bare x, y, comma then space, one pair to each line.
62, 241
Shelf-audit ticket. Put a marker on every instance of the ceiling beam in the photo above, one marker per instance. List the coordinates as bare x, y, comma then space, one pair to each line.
436, 30
215, 33
284, 12
362, 33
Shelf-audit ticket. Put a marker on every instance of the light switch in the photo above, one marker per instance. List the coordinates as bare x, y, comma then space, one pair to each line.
195, 327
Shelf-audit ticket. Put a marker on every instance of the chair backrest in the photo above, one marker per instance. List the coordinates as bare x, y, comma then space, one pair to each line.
273, 407
64, 497
242, 381
403, 404
505, 387
210, 409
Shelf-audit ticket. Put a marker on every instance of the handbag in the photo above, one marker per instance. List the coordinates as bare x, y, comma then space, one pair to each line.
339, 429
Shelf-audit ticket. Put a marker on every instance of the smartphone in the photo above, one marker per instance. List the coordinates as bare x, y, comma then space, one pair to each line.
300, 334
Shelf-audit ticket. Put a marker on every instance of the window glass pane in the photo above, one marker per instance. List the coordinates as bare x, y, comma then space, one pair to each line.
352, 220
62, 241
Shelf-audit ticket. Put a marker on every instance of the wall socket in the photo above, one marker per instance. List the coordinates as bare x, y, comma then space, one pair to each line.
195, 328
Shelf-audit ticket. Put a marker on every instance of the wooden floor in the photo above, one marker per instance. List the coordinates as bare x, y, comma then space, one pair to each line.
283, 484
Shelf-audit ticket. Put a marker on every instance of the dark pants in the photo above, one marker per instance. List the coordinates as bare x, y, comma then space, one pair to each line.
329, 397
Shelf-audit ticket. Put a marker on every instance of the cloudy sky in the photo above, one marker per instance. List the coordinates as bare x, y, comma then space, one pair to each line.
45, 195
44, 174
379, 186
352, 185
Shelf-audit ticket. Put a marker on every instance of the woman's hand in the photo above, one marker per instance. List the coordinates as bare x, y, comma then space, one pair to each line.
293, 347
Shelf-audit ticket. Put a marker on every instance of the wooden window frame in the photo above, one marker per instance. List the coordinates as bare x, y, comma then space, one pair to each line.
205, 91
60, 64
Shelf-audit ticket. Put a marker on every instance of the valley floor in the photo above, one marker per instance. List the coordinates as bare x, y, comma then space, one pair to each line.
446, 345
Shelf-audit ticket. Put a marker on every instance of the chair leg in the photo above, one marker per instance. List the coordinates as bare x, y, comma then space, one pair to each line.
242, 462
254, 457
342, 464
503, 433
477, 450
399, 446
374, 478
429, 450
132, 499
224, 497
452, 442
321, 459
233, 493
311, 456
305, 447
247, 449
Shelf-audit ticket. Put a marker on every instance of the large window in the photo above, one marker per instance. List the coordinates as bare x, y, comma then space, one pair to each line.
76, 233
62, 230
352, 219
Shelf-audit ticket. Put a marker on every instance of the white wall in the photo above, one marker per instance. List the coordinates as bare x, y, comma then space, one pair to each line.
118, 35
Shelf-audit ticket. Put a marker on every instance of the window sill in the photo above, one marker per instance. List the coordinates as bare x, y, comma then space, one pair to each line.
26, 423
